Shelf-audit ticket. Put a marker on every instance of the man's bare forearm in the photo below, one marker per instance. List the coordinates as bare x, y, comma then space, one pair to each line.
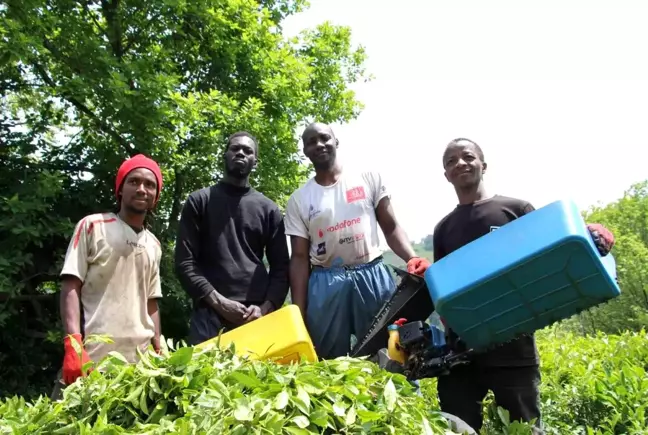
70, 305
299, 271
154, 311
399, 243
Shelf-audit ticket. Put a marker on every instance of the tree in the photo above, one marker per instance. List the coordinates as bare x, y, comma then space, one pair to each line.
428, 242
87, 84
627, 218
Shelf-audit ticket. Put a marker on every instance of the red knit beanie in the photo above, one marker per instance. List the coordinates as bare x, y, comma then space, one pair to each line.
138, 161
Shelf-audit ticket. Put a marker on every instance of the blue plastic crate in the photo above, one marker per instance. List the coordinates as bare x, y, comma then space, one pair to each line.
526, 275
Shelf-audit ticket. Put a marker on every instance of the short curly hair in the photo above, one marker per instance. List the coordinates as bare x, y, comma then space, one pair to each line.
243, 134
457, 141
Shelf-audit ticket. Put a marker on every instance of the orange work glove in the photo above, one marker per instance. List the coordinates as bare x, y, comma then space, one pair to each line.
417, 266
72, 364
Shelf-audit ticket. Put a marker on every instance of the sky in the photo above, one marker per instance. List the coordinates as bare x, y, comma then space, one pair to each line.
555, 93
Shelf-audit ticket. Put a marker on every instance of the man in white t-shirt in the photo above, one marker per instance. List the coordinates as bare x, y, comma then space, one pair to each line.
337, 276
112, 273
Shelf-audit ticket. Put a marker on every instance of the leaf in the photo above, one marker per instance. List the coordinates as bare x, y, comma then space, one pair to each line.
368, 416
133, 397
142, 402
351, 417
339, 409
116, 357
245, 380
301, 421
243, 411
281, 401
390, 395
181, 357
319, 417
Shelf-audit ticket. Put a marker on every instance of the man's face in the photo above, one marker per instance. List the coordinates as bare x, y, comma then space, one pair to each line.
139, 191
240, 157
463, 166
320, 145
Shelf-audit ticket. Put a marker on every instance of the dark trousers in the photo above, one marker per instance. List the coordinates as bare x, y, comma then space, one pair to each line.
462, 392
59, 386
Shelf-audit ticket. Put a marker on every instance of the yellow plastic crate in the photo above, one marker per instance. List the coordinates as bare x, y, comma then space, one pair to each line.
280, 335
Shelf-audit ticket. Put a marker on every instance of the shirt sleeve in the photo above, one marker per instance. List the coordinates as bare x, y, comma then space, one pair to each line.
527, 208
378, 187
188, 241
294, 222
155, 287
437, 245
278, 260
76, 257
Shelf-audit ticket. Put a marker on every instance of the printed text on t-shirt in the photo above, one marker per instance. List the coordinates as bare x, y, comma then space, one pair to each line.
347, 223
355, 194
352, 239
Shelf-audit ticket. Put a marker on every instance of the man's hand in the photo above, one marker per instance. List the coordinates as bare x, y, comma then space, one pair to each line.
603, 238
73, 362
257, 311
253, 313
232, 311
417, 265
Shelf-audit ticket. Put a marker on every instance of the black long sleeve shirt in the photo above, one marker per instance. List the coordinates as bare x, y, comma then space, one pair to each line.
223, 233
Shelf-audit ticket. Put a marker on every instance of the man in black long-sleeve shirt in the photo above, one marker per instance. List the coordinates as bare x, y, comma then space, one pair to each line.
224, 231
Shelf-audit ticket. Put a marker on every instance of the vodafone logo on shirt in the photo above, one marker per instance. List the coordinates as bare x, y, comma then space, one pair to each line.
347, 223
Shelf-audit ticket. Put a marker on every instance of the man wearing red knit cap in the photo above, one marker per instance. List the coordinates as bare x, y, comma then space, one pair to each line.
111, 270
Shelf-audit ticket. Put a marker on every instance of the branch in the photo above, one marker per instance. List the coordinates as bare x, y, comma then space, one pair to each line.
84, 109
110, 13
94, 18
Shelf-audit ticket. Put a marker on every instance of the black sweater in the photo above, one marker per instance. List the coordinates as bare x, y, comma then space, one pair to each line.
224, 230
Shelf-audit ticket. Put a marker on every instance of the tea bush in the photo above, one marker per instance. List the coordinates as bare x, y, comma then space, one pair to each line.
595, 385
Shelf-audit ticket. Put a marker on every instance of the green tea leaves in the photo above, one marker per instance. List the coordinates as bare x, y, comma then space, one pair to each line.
216, 392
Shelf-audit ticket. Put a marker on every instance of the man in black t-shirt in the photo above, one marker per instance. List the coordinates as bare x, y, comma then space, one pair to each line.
511, 370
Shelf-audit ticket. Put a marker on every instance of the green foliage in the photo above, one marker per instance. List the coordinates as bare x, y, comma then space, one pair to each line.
87, 84
421, 249
595, 385
213, 391
599, 382
627, 218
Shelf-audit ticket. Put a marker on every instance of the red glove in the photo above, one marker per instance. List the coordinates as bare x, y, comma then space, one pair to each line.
72, 364
417, 265
603, 238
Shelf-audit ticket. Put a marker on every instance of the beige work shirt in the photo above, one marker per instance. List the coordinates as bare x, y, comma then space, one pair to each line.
120, 271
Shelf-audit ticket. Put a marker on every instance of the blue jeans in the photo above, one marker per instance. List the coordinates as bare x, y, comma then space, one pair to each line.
343, 300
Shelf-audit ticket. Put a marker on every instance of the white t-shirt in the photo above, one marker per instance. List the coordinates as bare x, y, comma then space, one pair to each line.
120, 271
339, 220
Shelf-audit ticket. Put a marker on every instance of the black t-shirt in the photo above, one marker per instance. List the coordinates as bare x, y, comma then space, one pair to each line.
465, 224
